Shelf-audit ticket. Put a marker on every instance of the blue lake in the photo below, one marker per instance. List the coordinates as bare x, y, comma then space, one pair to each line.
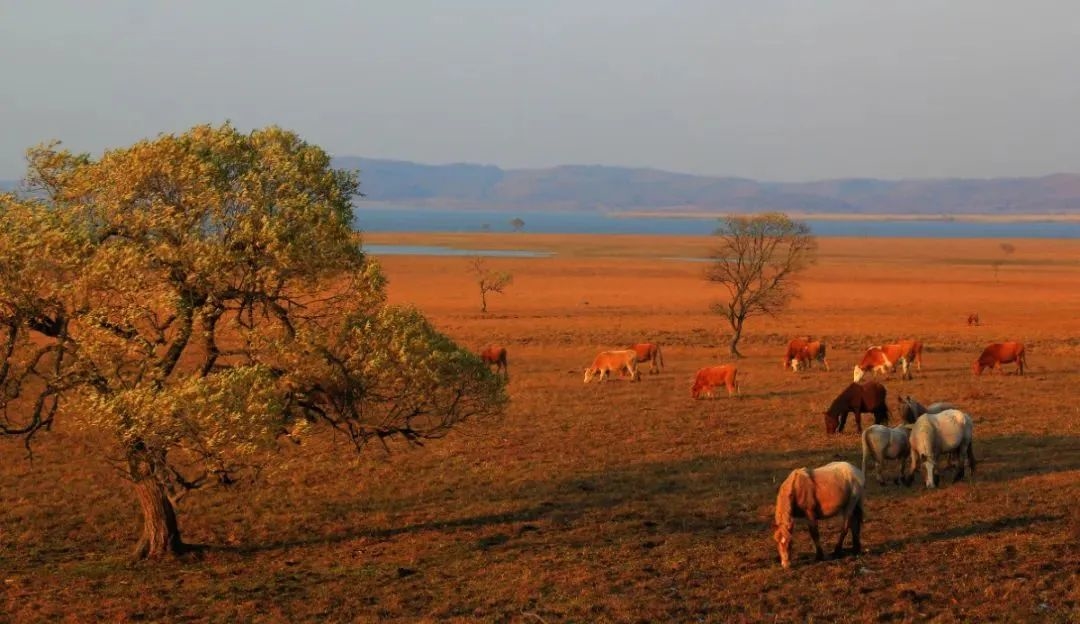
439, 220
437, 250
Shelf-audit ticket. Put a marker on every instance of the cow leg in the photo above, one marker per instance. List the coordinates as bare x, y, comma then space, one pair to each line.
826, 363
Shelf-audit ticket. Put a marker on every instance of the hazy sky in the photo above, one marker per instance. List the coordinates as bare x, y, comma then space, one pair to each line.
770, 89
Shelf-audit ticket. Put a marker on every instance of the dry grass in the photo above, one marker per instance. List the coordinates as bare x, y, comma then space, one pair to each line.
623, 502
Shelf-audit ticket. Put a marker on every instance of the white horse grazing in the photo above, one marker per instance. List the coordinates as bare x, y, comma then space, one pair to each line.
885, 443
933, 435
910, 409
831, 490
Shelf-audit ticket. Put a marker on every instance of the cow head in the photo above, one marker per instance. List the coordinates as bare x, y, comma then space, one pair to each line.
858, 374
589, 372
795, 364
976, 367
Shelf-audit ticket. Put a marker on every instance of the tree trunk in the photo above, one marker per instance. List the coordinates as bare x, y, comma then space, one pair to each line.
160, 533
736, 335
483, 300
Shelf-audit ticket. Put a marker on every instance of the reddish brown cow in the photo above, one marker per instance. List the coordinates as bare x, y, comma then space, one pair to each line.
813, 351
494, 355
973, 319
794, 352
711, 377
649, 352
998, 353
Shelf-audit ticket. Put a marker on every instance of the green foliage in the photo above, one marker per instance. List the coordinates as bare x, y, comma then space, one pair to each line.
196, 296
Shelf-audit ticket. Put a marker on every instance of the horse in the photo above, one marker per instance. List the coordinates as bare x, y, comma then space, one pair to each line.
932, 435
834, 489
998, 353
493, 355
910, 409
857, 398
885, 443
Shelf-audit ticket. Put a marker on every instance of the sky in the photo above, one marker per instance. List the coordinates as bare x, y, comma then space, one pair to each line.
766, 89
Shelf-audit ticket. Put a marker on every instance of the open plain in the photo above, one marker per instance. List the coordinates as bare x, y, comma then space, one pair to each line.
624, 502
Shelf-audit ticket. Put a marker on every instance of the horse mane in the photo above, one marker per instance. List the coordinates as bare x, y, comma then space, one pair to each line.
841, 402
795, 498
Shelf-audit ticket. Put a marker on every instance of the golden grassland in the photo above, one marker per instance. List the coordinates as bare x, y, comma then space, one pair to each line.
623, 502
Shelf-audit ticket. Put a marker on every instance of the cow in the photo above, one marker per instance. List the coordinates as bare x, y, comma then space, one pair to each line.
493, 355
881, 360
794, 352
608, 361
973, 319
649, 352
859, 399
998, 353
813, 350
912, 350
711, 377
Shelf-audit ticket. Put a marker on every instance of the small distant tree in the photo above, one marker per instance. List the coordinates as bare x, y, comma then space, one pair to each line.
1007, 249
198, 298
489, 281
756, 260
517, 223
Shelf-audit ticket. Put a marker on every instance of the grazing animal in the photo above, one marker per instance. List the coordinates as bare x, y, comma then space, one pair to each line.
710, 378
882, 359
649, 352
493, 355
912, 351
811, 352
998, 353
884, 443
910, 409
973, 319
857, 398
933, 435
609, 361
794, 352
834, 489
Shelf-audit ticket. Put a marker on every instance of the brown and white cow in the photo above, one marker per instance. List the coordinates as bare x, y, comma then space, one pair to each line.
998, 353
649, 352
710, 378
794, 352
813, 351
882, 360
608, 361
494, 355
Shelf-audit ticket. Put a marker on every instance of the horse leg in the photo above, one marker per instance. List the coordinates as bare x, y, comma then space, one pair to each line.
819, 552
843, 421
858, 421
961, 455
839, 550
856, 528
928, 463
971, 459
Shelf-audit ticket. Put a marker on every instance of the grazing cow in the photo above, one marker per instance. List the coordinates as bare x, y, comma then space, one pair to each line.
857, 398
933, 435
998, 353
884, 443
912, 351
493, 355
710, 378
973, 319
812, 351
881, 360
910, 409
649, 352
608, 361
794, 352
834, 489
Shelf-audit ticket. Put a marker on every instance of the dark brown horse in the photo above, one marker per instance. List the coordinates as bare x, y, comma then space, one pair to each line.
857, 398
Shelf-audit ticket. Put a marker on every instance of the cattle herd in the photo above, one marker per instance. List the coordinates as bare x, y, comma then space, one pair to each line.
925, 436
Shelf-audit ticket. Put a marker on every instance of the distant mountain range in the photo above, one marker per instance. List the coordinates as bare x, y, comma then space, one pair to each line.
595, 187
592, 187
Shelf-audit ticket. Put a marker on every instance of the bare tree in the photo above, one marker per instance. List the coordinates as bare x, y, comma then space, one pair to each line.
517, 223
756, 260
1007, 249
488, 280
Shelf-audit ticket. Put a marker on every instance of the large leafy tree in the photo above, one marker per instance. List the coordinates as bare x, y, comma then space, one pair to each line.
199, 297
756, 259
